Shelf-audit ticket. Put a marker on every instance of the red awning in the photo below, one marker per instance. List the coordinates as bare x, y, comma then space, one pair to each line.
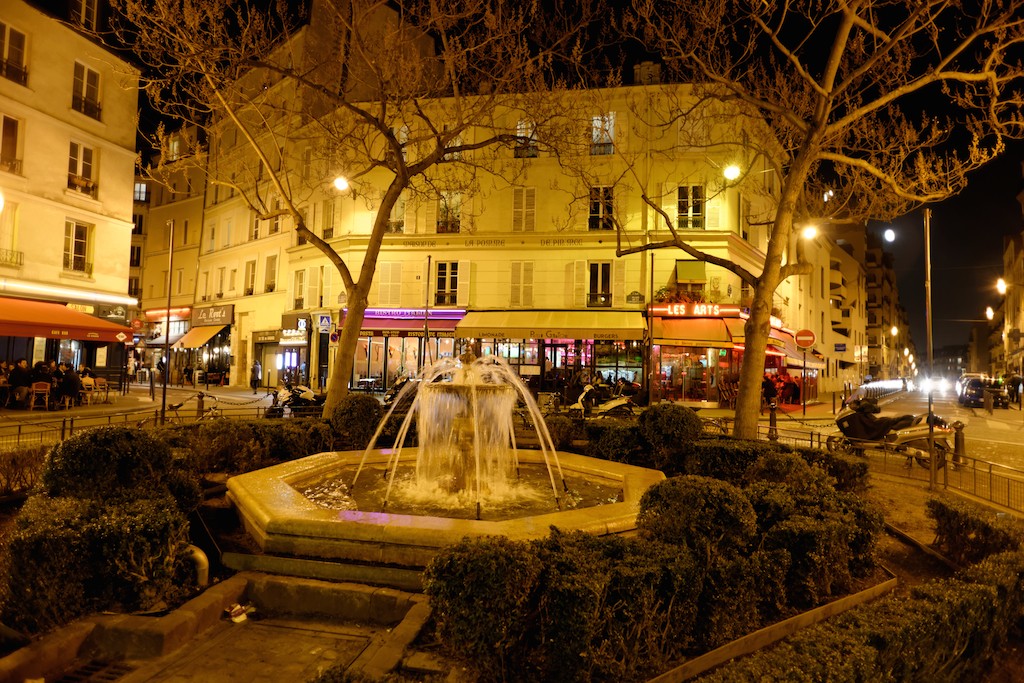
24, 318
406, 327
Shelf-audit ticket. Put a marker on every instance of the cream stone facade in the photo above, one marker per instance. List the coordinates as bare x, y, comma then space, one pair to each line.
68, 112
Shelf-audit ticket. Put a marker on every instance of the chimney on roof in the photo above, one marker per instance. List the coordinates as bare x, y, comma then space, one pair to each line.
646, 73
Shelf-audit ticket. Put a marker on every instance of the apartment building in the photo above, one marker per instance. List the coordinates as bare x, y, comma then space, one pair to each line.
67, 157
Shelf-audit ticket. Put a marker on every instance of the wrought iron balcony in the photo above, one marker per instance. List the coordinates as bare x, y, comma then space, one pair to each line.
77, 264
86, 106
10, 257
599, 300
82, 184
10, 165
14, 72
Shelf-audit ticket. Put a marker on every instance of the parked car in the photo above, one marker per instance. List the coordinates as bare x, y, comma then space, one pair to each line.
964, 379
976, 388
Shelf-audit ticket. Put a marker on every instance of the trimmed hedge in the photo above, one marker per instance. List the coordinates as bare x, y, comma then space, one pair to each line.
19, 468
355, 419
968, 534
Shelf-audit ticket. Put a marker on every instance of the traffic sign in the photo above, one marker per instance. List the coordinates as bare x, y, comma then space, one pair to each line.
805, 339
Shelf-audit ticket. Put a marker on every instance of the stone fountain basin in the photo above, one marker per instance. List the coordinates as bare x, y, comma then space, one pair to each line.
284, 522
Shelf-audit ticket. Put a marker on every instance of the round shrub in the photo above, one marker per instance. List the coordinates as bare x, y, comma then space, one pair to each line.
561, 429
792, 470
355, 419
668, 427
709, 516
104, 463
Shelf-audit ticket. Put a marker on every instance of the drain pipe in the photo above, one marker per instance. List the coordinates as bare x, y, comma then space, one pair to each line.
202, 564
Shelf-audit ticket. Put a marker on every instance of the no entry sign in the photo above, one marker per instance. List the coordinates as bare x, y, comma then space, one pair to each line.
805, 339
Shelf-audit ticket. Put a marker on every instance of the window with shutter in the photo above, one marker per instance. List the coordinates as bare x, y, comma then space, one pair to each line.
524, 203
522, 284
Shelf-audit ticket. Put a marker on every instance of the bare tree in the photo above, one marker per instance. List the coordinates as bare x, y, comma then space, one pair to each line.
888, 104
406, 97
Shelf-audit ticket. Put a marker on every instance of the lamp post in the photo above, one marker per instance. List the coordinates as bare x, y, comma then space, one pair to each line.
932, 467
167, 321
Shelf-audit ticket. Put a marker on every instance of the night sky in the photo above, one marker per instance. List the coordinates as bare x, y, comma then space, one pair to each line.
967, 252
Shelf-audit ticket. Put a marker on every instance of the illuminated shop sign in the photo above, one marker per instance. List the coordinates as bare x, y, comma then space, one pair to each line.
689, 309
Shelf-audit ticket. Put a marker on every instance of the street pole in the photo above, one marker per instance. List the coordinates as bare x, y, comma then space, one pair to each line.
167, 322
932, 465
803, 387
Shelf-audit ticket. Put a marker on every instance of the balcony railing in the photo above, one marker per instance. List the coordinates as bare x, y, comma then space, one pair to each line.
77, 264
599, 300
447, 227
10, 165
395, 226
82, 184
10, 257
328, 233
445, 298
86, 106
14, 72
526, 151
269, 287
249, 291
299, 303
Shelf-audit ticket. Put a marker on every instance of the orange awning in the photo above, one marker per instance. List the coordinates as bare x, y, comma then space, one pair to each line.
24, 318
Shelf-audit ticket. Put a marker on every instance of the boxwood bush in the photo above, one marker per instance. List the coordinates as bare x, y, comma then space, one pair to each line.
968, 534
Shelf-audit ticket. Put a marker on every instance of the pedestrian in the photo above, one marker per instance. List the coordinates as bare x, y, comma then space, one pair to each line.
255, 375
768, 391
132, 367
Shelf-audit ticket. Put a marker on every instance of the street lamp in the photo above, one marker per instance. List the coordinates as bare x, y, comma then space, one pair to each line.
341, 183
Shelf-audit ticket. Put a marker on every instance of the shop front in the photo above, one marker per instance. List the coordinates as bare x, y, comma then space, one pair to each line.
205, 350
163, 327
560, 351
697, 350
284, 353
73, 333
397, 342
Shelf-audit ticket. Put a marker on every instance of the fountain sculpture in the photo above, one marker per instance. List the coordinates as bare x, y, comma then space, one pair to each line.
466, 457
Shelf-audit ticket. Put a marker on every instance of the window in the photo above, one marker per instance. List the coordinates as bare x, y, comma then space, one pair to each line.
179, 280
76, 247
327, 221
270, 278
299, 287
83, 13
396, 219
85, 97
522, 283
221, 272
225, 234
211, 237
204, 286
307, 163
254, 226
524, 205
275, 221
137, 222
389, 292
9, 160
134, 286
184, 231
526, 143
232, 279
135, 256
80, 169
300, 237
602, 134
449, 212
12, 55
599, 295
250, 277
456, 141
447, 290
690, 211
601, 204
141, 192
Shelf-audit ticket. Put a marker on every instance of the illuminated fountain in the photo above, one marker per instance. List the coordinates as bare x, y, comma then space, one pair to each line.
466, 477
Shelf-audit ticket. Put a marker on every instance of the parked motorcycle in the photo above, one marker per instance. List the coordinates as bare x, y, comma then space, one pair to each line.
586, 406
300, 400
860, 427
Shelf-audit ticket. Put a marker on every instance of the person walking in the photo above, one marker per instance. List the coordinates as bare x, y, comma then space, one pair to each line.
768, 391
255, 375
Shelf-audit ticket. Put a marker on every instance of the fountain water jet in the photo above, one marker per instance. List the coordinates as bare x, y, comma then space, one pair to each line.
464, 410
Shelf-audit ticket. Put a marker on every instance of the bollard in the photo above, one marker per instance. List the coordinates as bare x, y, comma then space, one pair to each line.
959, 443
199, 404
773, 427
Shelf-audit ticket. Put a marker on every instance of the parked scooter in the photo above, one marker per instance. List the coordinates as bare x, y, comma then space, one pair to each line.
860, 427
617, 406
299, 399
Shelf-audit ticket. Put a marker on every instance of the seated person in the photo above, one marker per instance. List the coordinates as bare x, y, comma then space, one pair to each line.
20, 379
70, 384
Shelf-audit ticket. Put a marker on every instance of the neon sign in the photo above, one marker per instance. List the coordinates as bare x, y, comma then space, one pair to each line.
691, 309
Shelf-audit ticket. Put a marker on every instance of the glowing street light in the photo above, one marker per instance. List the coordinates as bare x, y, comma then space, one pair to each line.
341, 183
989, 313
809, 232
731, 172
1000, 283
889, 235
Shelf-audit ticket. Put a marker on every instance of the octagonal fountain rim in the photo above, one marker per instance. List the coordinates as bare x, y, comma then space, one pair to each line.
281, 520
